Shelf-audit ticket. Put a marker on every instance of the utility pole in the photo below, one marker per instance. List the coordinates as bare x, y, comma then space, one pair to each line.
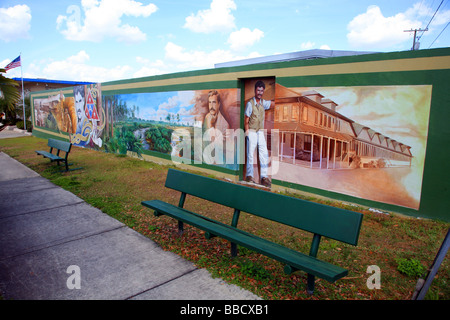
415, 45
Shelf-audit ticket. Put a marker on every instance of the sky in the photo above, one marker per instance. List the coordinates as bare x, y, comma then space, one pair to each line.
157, 105
107, 40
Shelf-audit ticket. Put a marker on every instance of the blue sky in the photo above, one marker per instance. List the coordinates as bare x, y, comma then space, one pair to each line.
157, 105
105, 40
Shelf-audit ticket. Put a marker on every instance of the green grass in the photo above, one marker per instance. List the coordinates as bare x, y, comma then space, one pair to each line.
116, 185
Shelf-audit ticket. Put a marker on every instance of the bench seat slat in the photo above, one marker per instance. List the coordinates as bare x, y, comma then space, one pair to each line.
288, 256
49, 155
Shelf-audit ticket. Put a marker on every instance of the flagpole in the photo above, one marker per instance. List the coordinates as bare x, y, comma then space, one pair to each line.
23, 95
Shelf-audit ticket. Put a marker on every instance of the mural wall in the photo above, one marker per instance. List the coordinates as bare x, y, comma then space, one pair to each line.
368, 142
79, 114
161, 121
364, 138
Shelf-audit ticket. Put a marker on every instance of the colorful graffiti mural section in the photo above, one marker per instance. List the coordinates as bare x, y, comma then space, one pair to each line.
90, 116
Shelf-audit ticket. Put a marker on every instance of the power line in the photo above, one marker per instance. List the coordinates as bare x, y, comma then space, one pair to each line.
420, 7
439, 35
418, 38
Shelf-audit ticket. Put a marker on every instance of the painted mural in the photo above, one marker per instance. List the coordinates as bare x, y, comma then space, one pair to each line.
359, 135
162, 121
90, 116
368, 142
56, 113
81, 115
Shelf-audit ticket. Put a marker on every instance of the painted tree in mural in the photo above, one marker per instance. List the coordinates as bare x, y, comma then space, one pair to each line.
158, 138
124, 140
117, 109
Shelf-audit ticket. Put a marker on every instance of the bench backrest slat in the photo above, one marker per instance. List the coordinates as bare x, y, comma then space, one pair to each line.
59, 144
331, 222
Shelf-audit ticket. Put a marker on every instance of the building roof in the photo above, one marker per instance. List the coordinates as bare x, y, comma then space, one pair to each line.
299, 55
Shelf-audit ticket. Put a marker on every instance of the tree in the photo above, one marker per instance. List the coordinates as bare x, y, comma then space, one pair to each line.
9, 95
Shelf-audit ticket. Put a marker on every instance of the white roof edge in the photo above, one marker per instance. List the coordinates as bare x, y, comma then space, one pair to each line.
299, 55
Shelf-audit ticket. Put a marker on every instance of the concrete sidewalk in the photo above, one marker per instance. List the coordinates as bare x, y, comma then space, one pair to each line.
13, 132
51, 241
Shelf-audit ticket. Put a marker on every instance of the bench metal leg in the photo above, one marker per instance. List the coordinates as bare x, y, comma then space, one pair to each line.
157, 214
180, 227
209, 235
181, 204
234, 223
313, 253
310, 284
234, 250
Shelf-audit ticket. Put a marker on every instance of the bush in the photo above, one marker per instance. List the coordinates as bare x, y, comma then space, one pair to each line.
411, 267
253, 270
20, 125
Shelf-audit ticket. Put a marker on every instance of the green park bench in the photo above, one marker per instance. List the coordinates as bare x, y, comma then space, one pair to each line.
57, 146
321, 220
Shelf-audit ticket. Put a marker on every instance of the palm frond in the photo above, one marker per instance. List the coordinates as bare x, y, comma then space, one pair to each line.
9, 92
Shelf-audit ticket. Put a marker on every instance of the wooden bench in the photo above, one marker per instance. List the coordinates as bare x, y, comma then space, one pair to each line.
320, 220
58, 146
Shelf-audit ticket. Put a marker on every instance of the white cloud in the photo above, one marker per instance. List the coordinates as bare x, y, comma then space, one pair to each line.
147, 72
181, 59
217, 18
181, 100
149, 68
312, 45
14, 22
177, 59
103, 19
4, 63
76, 68
307, 45
372, 30
441, 17
244, 38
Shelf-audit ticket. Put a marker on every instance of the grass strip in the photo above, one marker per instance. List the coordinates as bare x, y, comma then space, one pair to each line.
117, 184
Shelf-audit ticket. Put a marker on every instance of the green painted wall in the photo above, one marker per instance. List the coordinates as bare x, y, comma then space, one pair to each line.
413, 68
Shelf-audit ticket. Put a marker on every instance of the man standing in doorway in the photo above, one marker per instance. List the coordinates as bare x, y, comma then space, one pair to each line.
254, 130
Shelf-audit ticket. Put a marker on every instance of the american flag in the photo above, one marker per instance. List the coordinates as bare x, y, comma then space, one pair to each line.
14, 64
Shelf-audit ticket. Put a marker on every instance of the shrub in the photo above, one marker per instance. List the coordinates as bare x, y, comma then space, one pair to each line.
20, 125
253, 270
411, 267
